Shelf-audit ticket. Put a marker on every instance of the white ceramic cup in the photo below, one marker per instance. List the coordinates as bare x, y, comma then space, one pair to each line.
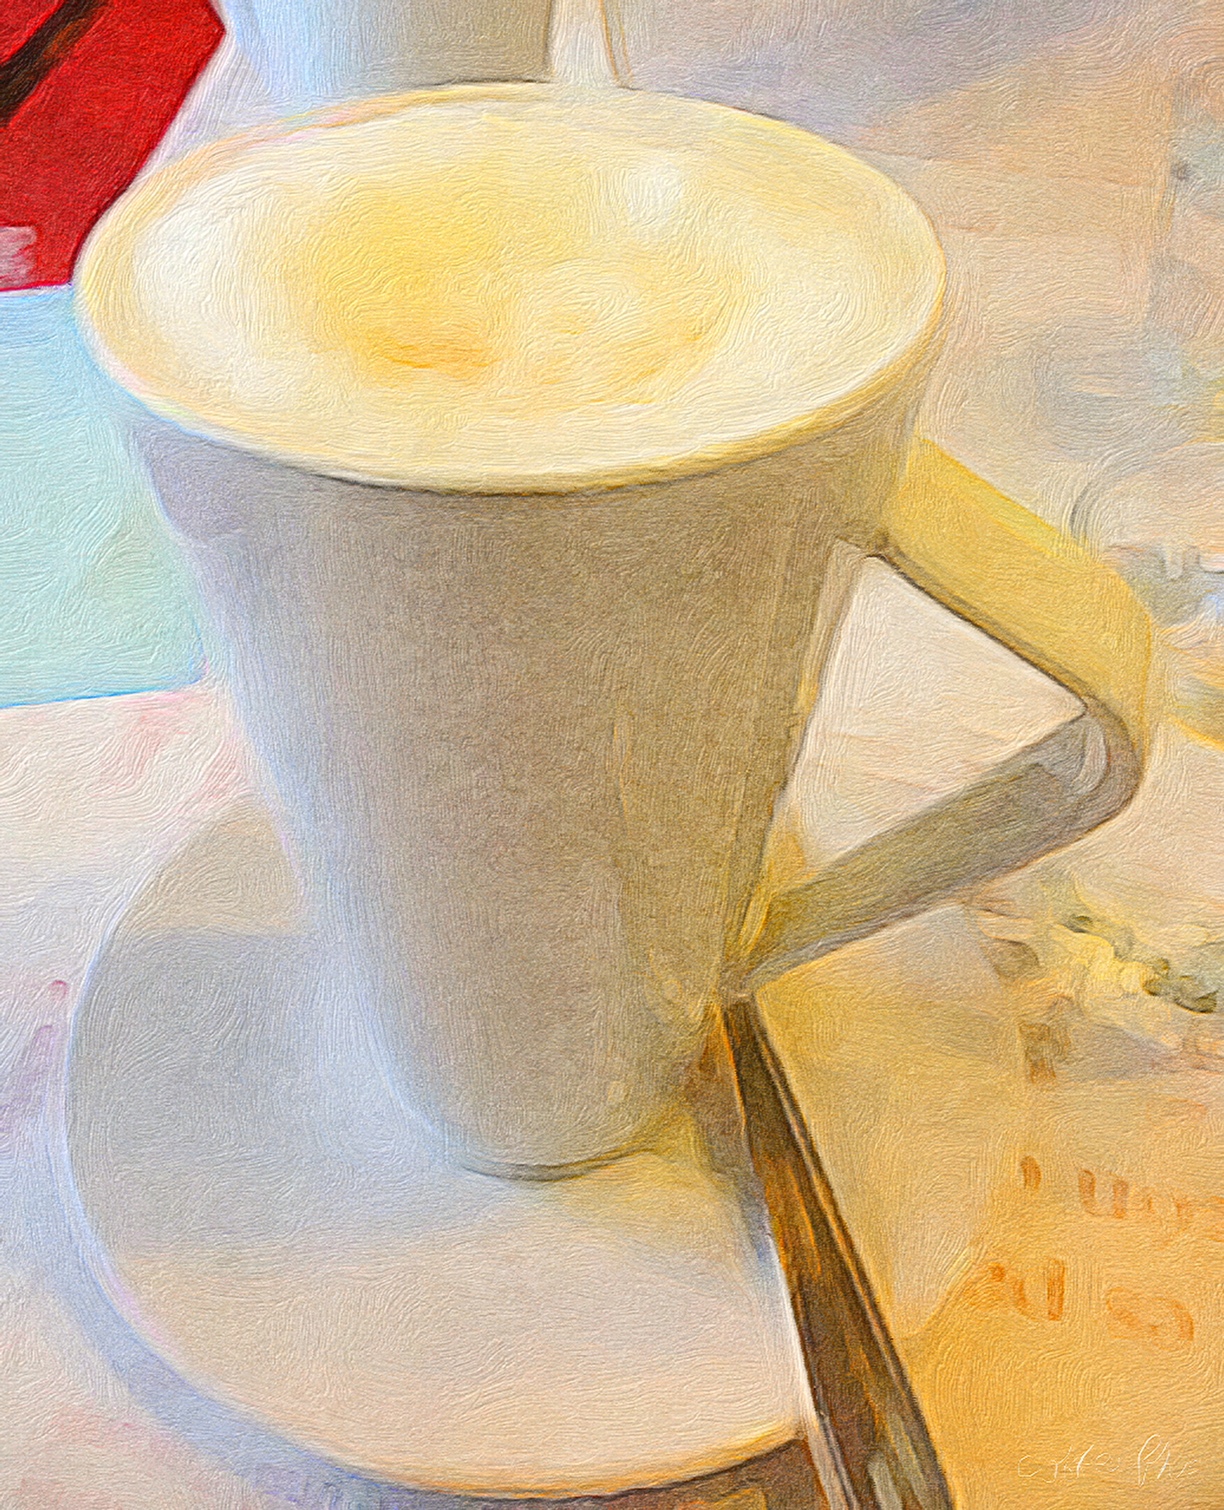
528, 696
308, 53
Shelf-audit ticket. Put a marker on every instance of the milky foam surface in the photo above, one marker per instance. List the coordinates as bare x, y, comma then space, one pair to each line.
510, 287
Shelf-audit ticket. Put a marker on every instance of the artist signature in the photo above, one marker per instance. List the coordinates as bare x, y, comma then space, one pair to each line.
1154, 1459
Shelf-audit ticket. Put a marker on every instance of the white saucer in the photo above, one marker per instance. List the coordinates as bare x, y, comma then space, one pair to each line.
285, 1235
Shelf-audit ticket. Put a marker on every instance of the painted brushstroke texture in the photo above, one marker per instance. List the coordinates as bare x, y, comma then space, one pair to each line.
980, 1083
525, 712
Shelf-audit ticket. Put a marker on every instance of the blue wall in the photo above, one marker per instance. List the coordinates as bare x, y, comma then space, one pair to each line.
93, 600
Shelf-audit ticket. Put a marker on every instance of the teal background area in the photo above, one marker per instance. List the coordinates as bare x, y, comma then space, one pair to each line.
93, 599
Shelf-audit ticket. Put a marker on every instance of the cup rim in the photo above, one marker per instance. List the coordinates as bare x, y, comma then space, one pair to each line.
161, 189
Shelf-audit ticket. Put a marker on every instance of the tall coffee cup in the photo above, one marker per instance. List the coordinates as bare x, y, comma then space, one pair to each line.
523, 440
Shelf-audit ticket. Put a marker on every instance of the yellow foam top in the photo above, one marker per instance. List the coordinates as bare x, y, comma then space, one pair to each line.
511, 288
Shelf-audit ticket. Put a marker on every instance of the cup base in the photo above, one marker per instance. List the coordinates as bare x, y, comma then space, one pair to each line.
262, 1211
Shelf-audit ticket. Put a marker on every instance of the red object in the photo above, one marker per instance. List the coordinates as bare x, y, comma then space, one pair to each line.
95, 97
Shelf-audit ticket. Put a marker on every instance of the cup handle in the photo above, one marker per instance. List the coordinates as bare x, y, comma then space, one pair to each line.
1035, 591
